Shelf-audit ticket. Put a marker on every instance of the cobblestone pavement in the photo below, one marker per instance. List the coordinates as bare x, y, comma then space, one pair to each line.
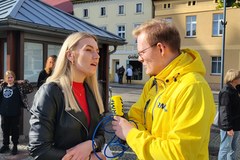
130, 94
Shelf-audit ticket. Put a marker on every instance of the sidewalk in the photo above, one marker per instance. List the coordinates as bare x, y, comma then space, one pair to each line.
22, 150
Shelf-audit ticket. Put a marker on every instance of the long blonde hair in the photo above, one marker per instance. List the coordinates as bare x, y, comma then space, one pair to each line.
62, 74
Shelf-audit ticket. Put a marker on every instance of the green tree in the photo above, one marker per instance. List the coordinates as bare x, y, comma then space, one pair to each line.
229, 3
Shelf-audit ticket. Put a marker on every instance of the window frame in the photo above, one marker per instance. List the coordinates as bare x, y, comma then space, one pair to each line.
121, 9
135, 25
85, 13
139, 8
216, 65
103, 11
191, 22
121, 31
217, 27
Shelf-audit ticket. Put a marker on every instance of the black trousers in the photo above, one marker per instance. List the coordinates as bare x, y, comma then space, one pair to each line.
120, 79
10, 126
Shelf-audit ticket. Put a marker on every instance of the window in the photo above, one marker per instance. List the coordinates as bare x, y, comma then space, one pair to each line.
33, 60
191, 3
53, 49
139, 8
103, 11
85, 12
121, 9
121, 31
216, 65
167, 5
217, 24
135, 26
191, 26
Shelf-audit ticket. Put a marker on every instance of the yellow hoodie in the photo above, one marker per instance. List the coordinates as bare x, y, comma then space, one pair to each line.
174, 113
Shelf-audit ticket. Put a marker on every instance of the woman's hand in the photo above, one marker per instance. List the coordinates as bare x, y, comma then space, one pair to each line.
230, 133
79, 152
121, 127
94, 157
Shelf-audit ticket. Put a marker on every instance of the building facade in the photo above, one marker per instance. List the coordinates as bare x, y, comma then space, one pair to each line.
199, 22
120, 18
200, 26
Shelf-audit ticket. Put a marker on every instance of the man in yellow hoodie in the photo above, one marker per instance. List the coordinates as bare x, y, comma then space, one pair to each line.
174, 113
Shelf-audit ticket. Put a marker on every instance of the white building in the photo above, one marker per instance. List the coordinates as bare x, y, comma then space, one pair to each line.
120, 18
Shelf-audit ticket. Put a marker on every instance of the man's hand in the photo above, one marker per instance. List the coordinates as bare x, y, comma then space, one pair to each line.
121, 127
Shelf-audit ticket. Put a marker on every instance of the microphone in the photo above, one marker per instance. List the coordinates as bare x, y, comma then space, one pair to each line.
117, 110
117, 105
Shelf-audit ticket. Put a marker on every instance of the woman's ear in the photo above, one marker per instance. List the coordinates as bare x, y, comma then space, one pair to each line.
70, 56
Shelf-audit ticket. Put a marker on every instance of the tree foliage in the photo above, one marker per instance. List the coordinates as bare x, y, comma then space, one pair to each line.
229, 3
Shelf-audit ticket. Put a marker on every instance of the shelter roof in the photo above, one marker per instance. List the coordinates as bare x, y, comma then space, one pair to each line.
38, 16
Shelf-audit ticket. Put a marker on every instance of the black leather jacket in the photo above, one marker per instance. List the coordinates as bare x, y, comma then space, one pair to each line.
54, 130
229, 109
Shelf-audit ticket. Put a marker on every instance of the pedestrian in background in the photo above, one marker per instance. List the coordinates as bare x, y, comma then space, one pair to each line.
229, 116
47, 71
120, 73
129, 74
12, 99
136, 74
174, 114
68, 107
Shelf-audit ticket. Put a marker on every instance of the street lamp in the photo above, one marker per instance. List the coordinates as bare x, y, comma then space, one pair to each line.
224, 23
226, 3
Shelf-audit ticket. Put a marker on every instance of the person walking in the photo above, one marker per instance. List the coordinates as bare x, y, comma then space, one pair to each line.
47, 71
174, 114
120, 73
68, 107
12, 99
229, 116
129, 74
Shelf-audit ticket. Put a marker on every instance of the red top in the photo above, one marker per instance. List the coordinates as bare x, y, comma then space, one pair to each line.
79, 92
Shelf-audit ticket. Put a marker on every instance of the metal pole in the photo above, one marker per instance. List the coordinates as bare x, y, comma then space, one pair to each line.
224, 23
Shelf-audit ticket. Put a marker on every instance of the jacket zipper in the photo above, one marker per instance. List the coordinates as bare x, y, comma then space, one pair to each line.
144, 113
79, 122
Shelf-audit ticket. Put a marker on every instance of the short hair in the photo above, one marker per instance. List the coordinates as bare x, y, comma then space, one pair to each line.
160, 30
231, 75
7, 73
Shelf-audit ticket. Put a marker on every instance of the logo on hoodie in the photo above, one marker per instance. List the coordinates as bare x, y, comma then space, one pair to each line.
163, 106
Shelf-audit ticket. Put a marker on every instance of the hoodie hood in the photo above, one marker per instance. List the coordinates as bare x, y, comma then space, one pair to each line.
188, 61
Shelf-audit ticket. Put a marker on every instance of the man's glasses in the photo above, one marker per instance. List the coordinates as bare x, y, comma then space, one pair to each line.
141, 53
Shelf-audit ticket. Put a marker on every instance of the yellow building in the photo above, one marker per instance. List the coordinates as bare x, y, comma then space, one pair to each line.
120, 18
199, 23
200, 26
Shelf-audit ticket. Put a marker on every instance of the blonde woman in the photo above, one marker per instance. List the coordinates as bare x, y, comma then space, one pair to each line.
229, 116
68, 107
